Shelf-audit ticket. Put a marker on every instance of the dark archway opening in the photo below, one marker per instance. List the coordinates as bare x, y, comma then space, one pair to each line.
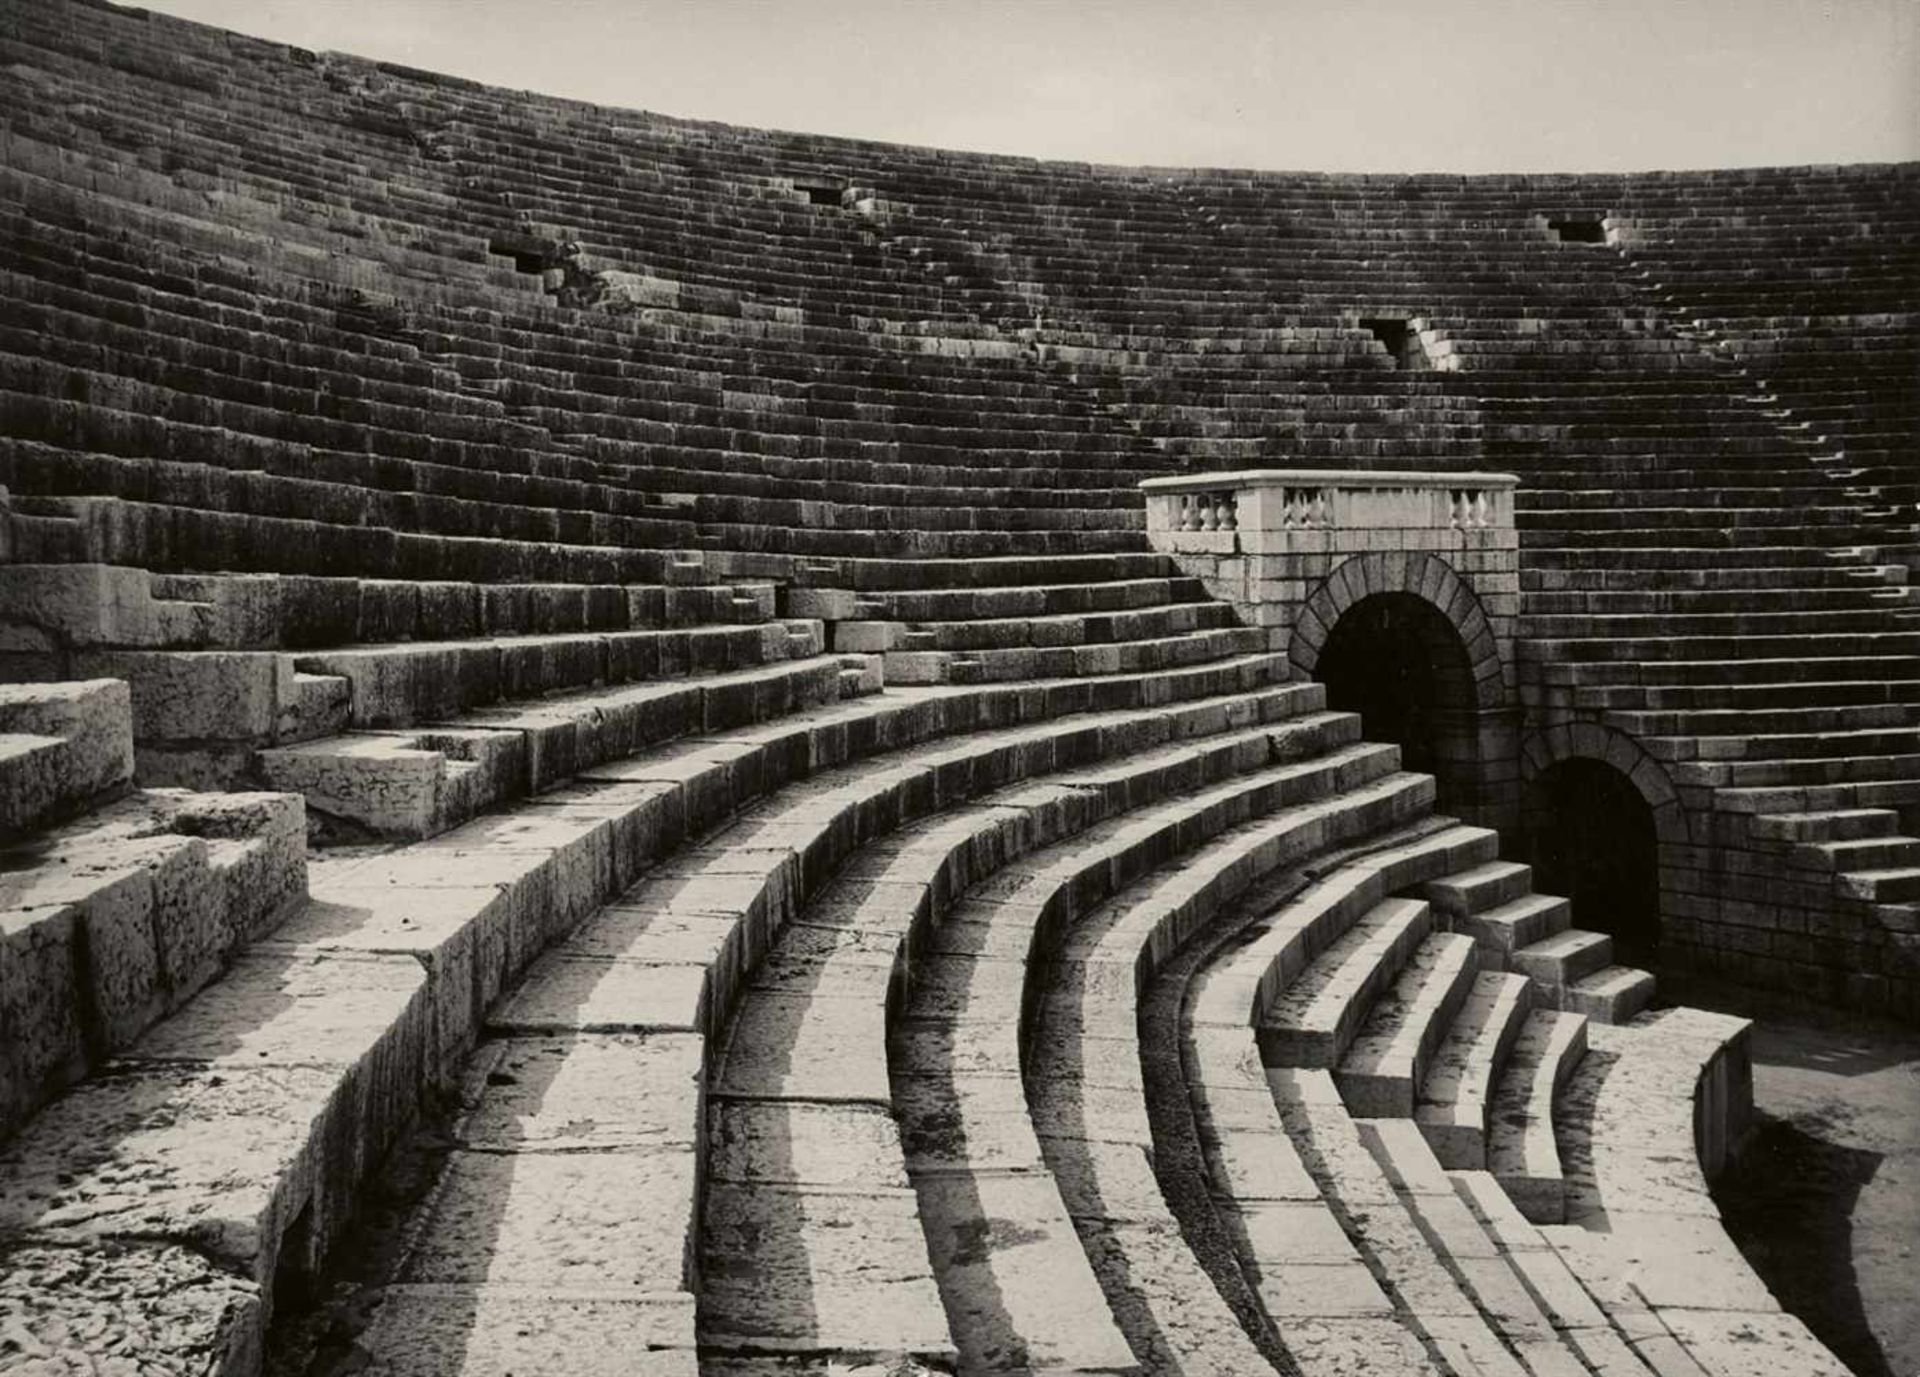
1594, 842
1395, 659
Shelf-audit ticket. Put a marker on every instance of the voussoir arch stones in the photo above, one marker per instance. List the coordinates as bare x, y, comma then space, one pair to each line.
1550, 746
1427, 577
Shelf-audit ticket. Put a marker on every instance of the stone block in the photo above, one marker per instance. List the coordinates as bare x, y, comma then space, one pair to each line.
52, 609
221, 1160
62, 746
192, 697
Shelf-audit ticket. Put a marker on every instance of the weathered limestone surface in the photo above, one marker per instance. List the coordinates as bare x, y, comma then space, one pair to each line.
62, 747
119, 918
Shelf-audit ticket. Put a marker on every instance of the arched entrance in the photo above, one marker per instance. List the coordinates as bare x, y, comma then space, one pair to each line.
1595, 840
1400, 638
1395, 659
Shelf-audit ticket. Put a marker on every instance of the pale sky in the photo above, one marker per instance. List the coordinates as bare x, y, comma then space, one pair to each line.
1342, 85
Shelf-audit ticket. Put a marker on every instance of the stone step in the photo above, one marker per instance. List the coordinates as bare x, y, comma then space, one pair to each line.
1471, 1254
1760, 647
1731, 699
400, 684
912, 575
1321, 1011
1313, 1281
802, 1078
1809, 774
1266, 1242
1427, 1296
1522, 1152
1648, 1122
1612, 994
1894, 885
1037, 600
118, 918
1474, 891
420, 783
63, 748
1569, 1307
1516, 924
1833, 825
964, 1120
1857, 854
1004, 666
1457, 1092
1722, 676
1758, 745
630, 966
1388, 1059
1754, 619
1563, 957
496, 891
1871, 791
1767, 727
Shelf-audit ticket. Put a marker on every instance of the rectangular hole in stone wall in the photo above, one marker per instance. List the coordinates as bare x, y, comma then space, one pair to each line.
820, 193
1579, 229
525, 259
1398, 337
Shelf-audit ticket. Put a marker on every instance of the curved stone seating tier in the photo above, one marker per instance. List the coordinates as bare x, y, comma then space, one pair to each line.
1647, 1119
966, 1120
1365, 1227
54, 611
416, 943
1314, 1231
639, 968
807, 1050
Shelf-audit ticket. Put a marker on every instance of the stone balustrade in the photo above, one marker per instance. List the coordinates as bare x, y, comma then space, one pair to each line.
1272, 540
1283, 511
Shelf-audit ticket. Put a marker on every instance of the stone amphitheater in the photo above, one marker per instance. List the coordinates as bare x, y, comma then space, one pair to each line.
637, 746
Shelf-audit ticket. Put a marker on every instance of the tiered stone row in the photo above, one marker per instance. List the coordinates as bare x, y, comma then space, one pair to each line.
315, 1046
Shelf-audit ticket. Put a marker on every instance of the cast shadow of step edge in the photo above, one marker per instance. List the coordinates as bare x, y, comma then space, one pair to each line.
1788, 1204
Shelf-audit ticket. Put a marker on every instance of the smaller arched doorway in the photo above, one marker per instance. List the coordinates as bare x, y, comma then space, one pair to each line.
1595, 841
1395, 659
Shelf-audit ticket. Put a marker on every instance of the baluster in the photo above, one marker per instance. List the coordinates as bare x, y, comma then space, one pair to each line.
1482, 508
1457, 508
1230, 508
1322, 510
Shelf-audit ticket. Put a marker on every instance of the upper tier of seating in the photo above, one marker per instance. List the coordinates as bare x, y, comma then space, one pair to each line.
269, 296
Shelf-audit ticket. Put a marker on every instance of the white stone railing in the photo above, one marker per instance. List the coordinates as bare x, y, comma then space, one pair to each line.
1264, 511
